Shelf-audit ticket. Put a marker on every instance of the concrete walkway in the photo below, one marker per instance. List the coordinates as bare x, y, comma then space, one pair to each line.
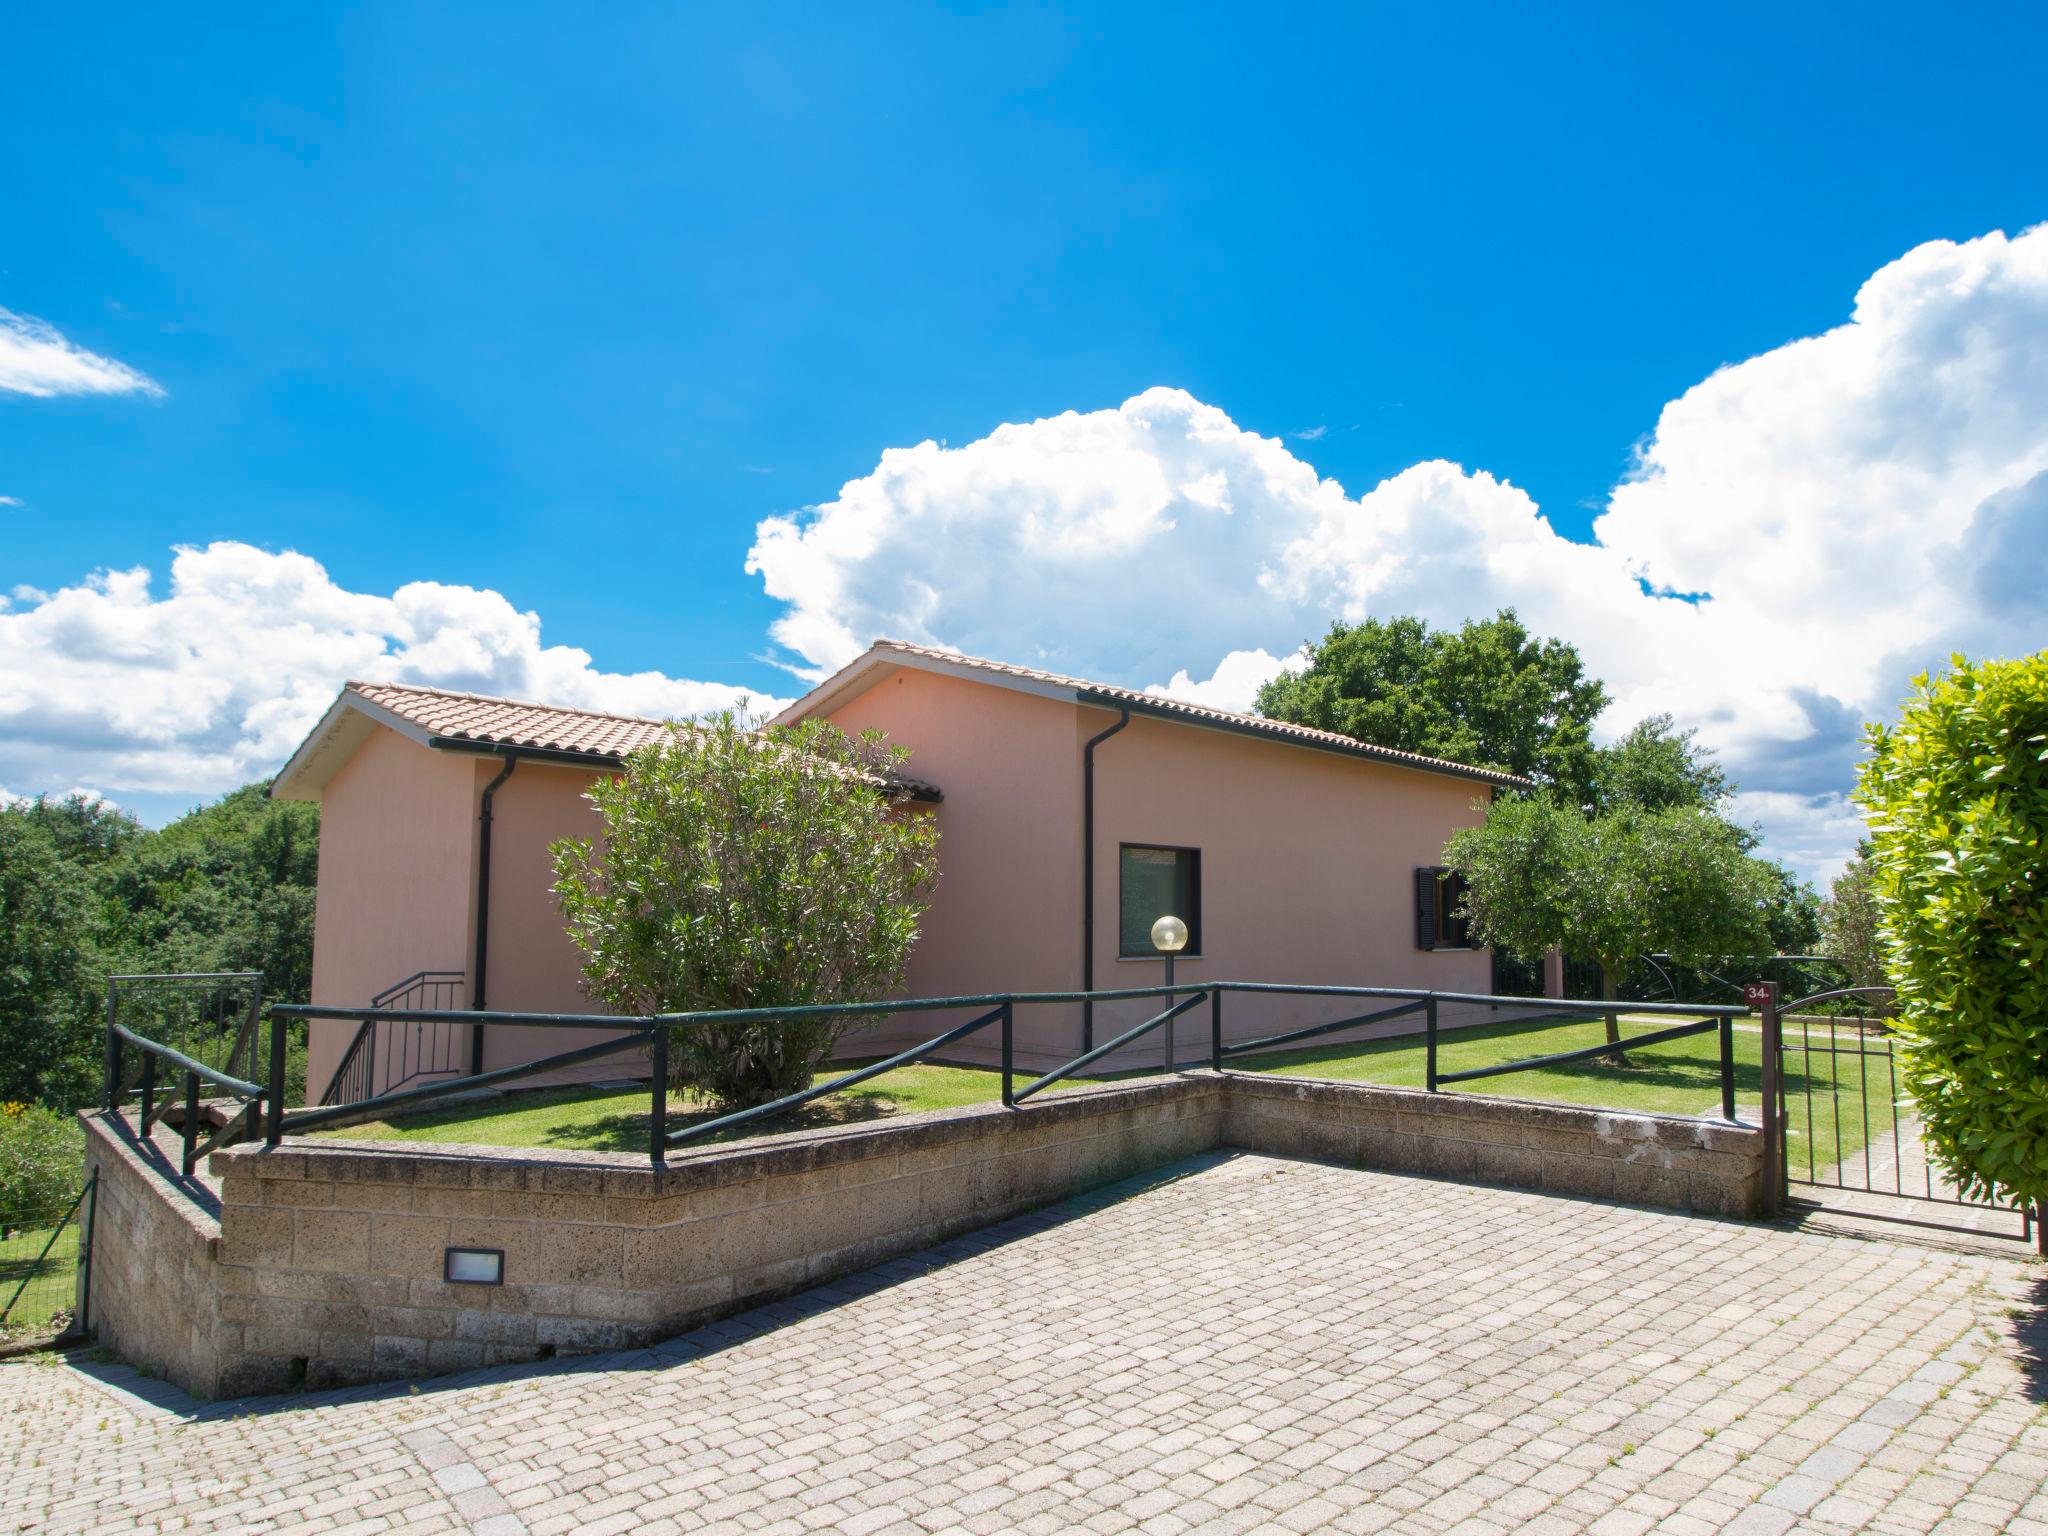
1247, 1345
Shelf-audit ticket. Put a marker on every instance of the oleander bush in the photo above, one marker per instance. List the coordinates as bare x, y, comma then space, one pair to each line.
742, 868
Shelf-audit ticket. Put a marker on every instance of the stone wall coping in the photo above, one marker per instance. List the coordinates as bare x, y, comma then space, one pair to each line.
629, 1174
116, 1140
1627, 1125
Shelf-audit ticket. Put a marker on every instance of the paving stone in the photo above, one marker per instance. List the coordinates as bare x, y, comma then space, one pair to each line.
1244, 1344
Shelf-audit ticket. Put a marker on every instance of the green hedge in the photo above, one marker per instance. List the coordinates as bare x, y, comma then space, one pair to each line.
1957, 796
42, 1161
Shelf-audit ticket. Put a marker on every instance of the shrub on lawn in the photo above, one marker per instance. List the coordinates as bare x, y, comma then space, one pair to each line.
1957, 796
41, 1162
749, 869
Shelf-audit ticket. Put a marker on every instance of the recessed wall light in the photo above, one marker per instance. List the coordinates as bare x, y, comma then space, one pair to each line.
474, 1266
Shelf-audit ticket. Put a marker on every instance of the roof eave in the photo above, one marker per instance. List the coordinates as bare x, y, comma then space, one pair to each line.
320, 756
929, 794
1163, 709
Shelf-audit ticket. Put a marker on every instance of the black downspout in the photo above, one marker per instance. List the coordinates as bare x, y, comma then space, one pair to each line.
483, 912
1088, 874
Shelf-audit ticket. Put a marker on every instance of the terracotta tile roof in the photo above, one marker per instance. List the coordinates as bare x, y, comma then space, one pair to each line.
511, 722
604, 739
1202, 714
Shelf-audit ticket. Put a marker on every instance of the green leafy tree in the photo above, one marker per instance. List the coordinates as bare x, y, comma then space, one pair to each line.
50, 958
1487, 693
1609, 888
1656, 767
1792, 914
741, 870
1848, 923
1957, 800
228, 887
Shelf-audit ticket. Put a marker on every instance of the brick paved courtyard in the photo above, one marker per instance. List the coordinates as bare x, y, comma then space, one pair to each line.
1251, 1345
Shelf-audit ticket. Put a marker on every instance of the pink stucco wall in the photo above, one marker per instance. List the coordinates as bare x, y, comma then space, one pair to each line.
1003, 914
1307, 865
397, 851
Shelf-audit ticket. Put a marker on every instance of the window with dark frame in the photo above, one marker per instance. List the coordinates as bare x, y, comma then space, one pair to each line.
1439, 922
1155, 882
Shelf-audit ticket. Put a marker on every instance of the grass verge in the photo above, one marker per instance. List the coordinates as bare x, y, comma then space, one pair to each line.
51, 1290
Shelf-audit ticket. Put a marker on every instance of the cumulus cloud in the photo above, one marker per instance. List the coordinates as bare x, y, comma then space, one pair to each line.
36, 360
215, 681
1802, 532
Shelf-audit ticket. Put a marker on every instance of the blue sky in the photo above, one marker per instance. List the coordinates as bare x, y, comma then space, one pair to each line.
473, 296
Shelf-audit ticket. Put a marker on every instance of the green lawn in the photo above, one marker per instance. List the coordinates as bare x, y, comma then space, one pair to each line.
588, 1119
1680, 1077
50, 1289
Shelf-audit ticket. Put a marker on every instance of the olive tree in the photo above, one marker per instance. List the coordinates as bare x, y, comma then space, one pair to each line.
749, 868
1957, 800
1609, 888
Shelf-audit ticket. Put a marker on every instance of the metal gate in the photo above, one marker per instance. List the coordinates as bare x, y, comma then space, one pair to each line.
1843, 1136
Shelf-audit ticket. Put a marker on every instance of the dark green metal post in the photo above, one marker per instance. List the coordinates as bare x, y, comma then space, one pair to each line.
657, 1139
1169, 1003
1009, 1060
190, 1129
1429, 1045
1727, 1069
113, 1054
273, 1107
1764, 995
1216, 1028
92, 1215
148, 1090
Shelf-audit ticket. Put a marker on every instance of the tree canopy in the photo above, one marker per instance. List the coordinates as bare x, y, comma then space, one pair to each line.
1655, 767
1487, 693
86, 892
1848, 922
1610, 888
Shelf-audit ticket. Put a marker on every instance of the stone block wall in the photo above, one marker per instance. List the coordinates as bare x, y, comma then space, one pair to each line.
325, 1267
1660, 1160
155, 1283
330, 1254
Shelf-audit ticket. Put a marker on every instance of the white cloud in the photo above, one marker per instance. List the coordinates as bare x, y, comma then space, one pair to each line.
1233, 685
1310, 434
36, 360
1854, 505
10, 501
213, 683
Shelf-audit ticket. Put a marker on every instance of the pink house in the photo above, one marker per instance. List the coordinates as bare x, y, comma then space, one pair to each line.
1071, 815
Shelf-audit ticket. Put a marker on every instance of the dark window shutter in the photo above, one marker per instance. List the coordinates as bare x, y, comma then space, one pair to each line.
1425, 909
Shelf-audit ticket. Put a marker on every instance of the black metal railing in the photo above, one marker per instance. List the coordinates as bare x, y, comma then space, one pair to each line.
212, 1016
159, 1066
406, 1049
991, 1011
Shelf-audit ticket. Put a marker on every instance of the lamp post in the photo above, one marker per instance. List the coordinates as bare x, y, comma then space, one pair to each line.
1169, 937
